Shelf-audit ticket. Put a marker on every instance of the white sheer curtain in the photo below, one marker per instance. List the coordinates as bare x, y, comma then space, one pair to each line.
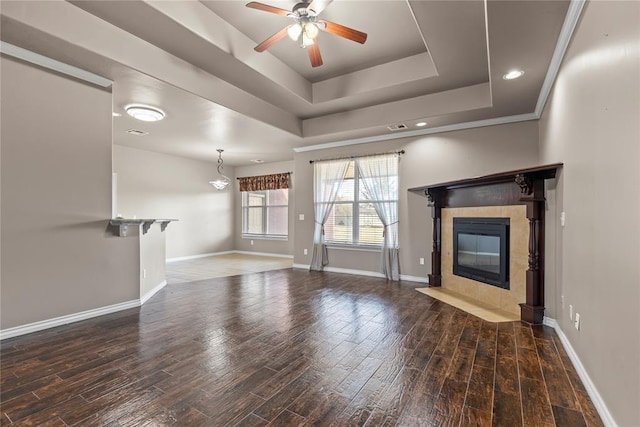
327, 179
379, 176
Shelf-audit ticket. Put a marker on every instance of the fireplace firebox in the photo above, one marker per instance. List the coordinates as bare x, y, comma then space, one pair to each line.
481, 250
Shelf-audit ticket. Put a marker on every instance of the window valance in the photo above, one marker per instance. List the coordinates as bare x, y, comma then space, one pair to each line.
274, 181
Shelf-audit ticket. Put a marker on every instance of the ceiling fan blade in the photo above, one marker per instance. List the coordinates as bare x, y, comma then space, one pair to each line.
342, 31
314, 54
271, 40
318, 5
267, 8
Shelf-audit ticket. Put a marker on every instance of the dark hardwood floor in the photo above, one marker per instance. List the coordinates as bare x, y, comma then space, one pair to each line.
290, 347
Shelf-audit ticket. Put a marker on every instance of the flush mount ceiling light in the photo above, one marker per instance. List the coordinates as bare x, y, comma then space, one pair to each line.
145, 113
222, 181
513, 74
420, 124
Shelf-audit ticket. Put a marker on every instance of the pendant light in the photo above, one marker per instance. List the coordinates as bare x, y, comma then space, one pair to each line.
222, 181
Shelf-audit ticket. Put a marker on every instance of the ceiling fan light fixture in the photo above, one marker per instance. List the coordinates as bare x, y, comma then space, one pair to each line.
294, 31
306, 41
306, 24
311, 30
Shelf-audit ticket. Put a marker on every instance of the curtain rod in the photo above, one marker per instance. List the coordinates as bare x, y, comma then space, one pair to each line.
289, 173
355, 157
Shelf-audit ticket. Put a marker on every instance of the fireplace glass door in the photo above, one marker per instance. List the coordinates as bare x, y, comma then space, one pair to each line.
481, 250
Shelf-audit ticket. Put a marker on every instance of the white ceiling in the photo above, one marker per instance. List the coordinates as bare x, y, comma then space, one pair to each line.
439, 61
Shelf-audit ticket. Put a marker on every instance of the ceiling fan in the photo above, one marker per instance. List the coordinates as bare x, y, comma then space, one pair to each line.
306, 26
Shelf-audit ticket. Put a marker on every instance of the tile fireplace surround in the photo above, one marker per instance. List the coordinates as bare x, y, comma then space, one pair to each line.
504, 299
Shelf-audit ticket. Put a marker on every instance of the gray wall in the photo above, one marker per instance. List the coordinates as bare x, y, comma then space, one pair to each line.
428, 160
155, 185
152, 259
279, 247
592, 124
57, 256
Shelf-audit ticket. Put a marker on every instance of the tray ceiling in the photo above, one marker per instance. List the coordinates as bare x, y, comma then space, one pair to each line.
436, 61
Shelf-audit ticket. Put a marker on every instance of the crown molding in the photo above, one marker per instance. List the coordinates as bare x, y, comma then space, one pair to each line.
566, 33
52, 64
420, 132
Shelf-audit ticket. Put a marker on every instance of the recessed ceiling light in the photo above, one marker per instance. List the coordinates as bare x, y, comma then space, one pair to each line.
420, 124
114, 114
257, 161
145, 113
514, 74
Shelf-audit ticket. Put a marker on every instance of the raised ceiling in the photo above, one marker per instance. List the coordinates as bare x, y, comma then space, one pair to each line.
436, 61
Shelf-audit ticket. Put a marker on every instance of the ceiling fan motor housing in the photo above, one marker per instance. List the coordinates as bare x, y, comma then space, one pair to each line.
300, 9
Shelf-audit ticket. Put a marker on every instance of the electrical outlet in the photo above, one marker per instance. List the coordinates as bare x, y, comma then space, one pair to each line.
563, 219
576, 323
421, 261
301, 217
304, 251
144, 273
570, 312
252, 243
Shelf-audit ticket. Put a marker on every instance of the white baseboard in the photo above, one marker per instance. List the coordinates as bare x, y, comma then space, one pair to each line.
602, 409
263, 254
144, 298
185, 258
301, 266
344, 271
403, 277
548, 321
354, 272
76, 317
63, 320
418, 279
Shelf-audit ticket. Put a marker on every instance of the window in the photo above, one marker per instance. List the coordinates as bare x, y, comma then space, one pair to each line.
265, 213
353, 219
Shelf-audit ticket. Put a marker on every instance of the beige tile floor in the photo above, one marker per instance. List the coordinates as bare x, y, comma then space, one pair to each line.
222, 266
471, 306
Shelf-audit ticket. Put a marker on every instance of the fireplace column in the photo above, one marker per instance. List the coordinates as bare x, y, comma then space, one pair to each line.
532, 311
435, 201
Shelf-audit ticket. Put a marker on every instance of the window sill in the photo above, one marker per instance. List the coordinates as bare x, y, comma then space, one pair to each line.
359, 248
264, 237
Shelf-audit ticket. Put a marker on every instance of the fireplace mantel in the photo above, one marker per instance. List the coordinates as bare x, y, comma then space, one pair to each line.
516, 187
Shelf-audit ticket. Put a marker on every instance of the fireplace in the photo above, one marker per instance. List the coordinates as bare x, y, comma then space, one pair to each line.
517, 188
481, 250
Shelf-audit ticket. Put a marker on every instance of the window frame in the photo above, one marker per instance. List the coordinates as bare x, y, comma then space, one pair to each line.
355, 220
265, 218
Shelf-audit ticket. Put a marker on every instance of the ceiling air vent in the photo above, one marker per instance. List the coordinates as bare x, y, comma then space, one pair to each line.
397, 126
137, 132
